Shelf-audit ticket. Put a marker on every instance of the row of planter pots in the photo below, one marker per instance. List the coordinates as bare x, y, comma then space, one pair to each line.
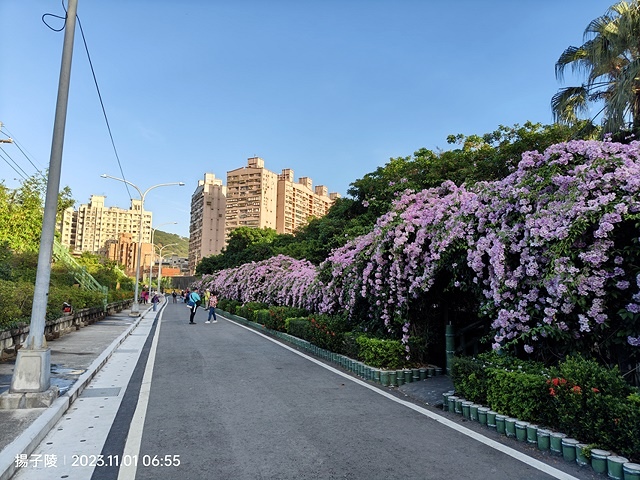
387, 378
601, 461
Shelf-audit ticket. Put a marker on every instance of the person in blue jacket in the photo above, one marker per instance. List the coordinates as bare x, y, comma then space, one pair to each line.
193, 298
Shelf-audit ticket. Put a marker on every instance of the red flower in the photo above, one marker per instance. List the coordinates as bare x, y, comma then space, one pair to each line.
576, 389
552, 392
595, 390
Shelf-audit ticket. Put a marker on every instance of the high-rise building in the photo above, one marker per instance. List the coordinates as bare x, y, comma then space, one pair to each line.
255, 198
207, 226
252, 193
298, 202
93, 226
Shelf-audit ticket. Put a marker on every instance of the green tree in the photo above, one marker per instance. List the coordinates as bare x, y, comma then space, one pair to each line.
347, 218
243, 237
106, 272
245, 245
479, 158
21, 212
610, 60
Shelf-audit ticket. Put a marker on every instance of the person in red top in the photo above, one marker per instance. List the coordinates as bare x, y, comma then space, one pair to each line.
213, 303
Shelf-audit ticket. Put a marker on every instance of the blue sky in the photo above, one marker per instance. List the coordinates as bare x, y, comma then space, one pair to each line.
331, 88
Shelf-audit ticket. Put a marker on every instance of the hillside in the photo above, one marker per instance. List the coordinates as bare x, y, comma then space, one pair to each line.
164, 238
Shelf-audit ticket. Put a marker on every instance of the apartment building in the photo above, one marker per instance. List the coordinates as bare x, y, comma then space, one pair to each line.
93, 226
256, 198
124, 250
252, 194
207, 226
297, 202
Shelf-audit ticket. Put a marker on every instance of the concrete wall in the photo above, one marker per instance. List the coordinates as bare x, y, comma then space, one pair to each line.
11, 340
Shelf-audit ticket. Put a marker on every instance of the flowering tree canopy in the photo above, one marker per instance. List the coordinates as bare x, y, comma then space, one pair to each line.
550, 250
279, 280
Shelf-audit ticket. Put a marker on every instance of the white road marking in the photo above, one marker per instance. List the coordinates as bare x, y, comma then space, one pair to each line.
75, 443
537, 464
134, 438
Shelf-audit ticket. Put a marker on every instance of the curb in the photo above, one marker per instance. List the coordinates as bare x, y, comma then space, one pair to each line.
28, 440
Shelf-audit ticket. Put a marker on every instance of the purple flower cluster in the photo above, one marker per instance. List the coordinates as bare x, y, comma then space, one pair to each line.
545, 247
279, 280
542, 244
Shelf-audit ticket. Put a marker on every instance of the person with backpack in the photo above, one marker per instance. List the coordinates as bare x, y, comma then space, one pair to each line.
193, 301
155, 300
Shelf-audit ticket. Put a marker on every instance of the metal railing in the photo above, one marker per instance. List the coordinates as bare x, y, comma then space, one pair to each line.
79, 272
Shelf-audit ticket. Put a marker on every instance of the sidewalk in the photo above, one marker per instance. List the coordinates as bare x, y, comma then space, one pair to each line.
75, 359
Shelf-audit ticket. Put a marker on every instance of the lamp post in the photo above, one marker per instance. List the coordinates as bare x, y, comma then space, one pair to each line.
150, 261
32, 372
153, 252
160, 264
135, 308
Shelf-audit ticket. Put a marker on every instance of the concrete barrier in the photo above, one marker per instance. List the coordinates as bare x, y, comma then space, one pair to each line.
11, 340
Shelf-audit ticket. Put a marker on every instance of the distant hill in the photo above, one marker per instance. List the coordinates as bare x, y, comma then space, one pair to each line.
161, 238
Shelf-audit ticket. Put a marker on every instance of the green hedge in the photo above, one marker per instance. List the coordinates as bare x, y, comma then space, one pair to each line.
229, 305
248, 310
299, 327
471, 378
381, 353
16, 301
330, 332
578, 397
327, 331
278, 315
517, 394
261, 316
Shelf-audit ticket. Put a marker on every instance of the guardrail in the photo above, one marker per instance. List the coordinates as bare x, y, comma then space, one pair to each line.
79, 272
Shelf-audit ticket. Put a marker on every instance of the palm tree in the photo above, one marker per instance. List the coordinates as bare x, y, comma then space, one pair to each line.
610, 60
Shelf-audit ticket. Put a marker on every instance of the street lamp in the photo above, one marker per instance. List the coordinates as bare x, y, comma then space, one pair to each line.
153, 252
32, 372
135, 308
160, 264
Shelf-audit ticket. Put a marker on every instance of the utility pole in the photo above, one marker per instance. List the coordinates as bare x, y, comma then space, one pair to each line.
32, 373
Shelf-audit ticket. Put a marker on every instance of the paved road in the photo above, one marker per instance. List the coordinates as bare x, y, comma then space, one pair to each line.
220, 401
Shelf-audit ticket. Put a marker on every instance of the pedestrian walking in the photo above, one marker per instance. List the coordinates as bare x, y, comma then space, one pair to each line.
193, 301
155, 299
212, 304
174, 295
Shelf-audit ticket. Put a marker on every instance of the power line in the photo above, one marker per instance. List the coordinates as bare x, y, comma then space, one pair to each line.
17, 144
95, 81
104, 112
14, 168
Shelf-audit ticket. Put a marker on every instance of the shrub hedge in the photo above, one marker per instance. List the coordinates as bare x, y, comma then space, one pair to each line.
381, 353
16, 300
579, 397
